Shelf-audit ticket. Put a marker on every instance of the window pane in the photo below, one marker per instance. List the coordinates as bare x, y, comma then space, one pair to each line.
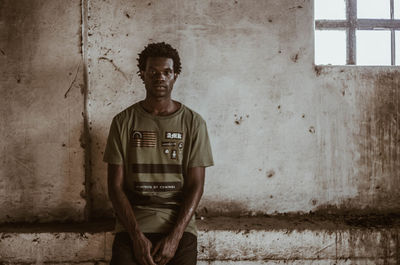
373, 8
397, 9
397, 44
329, 9
330, 47
373, 47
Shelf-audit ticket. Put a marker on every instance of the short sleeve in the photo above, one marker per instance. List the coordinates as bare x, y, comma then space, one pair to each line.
113, 152
200, 154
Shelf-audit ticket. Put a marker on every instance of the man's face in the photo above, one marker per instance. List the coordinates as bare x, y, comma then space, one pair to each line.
159, 77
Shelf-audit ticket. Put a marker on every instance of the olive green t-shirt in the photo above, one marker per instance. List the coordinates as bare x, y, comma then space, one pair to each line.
156, 152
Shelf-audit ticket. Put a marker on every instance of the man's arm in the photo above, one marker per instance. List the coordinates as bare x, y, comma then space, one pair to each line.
192, 191
123, 209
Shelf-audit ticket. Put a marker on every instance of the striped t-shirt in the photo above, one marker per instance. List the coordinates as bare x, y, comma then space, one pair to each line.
156, 152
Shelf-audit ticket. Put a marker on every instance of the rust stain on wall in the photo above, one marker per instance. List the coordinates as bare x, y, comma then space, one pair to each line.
379, 140
356, 217
368, 124
224, 208
295, 57
318, 70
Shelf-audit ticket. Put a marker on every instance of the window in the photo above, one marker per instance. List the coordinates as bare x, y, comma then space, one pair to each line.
357, 32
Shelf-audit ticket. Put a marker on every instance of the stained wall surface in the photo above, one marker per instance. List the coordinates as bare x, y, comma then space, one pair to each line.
41, 173
287, 136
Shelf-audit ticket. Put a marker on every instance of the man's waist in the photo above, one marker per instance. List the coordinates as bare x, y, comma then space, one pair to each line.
172, 201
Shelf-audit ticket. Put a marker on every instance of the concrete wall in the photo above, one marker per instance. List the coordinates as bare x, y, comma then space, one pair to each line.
286, 136
41, 173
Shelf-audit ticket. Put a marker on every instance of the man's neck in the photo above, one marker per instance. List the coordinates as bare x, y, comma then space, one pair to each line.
160, 107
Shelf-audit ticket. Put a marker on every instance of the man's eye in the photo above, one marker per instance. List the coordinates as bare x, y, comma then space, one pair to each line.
154, 72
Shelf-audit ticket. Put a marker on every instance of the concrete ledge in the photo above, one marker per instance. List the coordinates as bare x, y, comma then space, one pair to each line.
48, 247
221, 241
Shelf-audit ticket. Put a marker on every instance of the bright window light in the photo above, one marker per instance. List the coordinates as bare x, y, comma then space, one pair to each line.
373, 9
397, 40
396, 9
330, 9
373, 47
370, 40
330, 47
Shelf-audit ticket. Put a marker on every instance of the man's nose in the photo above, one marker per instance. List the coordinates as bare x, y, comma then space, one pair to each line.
159, 76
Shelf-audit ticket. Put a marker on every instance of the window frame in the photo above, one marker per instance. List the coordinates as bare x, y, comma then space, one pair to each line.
352, 23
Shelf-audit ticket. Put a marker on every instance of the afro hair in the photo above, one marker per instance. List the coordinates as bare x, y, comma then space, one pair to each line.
160, 49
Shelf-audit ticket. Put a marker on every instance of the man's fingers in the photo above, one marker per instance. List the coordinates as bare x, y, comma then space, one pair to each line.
156, 248
157, 259
164, 261
158, 255
143, 261
149, 245
148, 255
149, 259
146, 259
144, 253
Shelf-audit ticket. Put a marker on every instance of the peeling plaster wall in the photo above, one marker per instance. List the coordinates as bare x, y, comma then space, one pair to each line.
41, 172
286, 136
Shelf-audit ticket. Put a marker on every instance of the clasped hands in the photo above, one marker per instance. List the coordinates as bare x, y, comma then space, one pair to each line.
160, 254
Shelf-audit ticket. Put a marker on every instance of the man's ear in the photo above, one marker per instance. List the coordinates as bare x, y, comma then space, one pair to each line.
175, 76
142, 75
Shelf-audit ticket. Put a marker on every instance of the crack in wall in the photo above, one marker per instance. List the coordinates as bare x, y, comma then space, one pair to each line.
85, 138
73, 80
118, 69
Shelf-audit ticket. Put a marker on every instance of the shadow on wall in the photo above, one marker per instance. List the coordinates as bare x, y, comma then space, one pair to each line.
41, 174
37, 181
101, 208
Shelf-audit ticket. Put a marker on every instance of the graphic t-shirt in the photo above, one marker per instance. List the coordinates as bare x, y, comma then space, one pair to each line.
156, 152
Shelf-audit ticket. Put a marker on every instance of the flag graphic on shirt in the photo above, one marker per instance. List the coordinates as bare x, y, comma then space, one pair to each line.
144, 139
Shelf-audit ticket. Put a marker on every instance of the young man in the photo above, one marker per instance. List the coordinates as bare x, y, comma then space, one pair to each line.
157, 151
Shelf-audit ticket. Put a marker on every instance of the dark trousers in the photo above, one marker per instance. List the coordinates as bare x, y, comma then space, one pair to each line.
122, 249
